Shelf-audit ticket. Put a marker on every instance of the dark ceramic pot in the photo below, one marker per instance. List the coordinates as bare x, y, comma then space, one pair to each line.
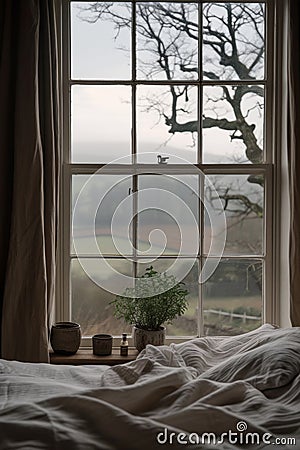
65, 337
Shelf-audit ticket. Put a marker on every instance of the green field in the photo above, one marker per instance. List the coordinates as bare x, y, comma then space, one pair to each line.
216, 324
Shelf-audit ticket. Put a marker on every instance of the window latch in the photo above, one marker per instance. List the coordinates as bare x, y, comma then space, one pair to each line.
162, 159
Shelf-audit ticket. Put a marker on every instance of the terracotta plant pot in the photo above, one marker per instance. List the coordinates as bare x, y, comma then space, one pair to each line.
65, 337
143, 337
102, 344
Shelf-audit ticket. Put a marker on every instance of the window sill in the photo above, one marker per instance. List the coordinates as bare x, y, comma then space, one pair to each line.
83, 357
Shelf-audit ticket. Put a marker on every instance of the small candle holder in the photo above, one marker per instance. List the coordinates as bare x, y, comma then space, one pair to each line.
102, 344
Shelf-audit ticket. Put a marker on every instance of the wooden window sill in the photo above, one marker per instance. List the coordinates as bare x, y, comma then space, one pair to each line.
83, 357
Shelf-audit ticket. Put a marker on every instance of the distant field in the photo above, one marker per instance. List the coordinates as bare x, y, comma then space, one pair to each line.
231, 303
85, 244
226, 304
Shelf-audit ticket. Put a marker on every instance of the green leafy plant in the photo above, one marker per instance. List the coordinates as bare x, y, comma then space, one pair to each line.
157, 298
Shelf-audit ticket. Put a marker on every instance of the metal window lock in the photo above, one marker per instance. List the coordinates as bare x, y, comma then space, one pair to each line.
162, 159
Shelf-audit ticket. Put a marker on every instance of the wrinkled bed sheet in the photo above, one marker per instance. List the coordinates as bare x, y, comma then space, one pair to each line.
168, 398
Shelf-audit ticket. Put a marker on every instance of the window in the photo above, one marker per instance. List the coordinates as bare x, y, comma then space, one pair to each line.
168, 159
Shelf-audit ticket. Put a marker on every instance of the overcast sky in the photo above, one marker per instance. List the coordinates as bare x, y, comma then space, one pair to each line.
101, 115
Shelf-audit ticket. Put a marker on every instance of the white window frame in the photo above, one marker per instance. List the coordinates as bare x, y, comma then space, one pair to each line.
270, 170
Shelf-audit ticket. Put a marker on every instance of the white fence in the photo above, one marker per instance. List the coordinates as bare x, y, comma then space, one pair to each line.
231, 315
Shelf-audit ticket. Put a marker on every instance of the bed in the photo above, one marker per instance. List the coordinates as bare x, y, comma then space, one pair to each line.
210, 392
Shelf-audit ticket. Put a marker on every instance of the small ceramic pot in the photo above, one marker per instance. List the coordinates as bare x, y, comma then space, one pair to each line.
143, 337
65, 337
102, 344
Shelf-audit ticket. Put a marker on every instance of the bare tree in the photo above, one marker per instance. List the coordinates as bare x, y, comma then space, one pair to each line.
233, 49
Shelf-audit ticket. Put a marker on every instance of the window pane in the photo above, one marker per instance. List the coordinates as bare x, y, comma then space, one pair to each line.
101, 205
101, 123
233, 41
161, 130
233, 124
242, 199
185, 325
167, 125
168, 221
100, 40
90, 303
167, 41
232, 297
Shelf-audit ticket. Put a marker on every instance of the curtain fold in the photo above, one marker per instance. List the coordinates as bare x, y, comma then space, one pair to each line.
293, 146
29, 116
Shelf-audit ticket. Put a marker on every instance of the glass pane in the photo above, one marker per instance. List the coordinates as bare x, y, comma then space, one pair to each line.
242, 200
167, 122
233, 124
90, 303
233, 41
167, 41
101, 123
232, 297
100, 40
101, 208
185, 325
168, 221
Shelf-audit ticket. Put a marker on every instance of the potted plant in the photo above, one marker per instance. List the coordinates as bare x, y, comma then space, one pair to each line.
156, 299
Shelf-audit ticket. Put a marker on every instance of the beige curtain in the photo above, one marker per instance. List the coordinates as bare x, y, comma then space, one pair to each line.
293, 145
29, 144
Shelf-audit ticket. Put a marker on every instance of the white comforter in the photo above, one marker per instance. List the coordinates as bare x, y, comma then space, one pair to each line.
168, 398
